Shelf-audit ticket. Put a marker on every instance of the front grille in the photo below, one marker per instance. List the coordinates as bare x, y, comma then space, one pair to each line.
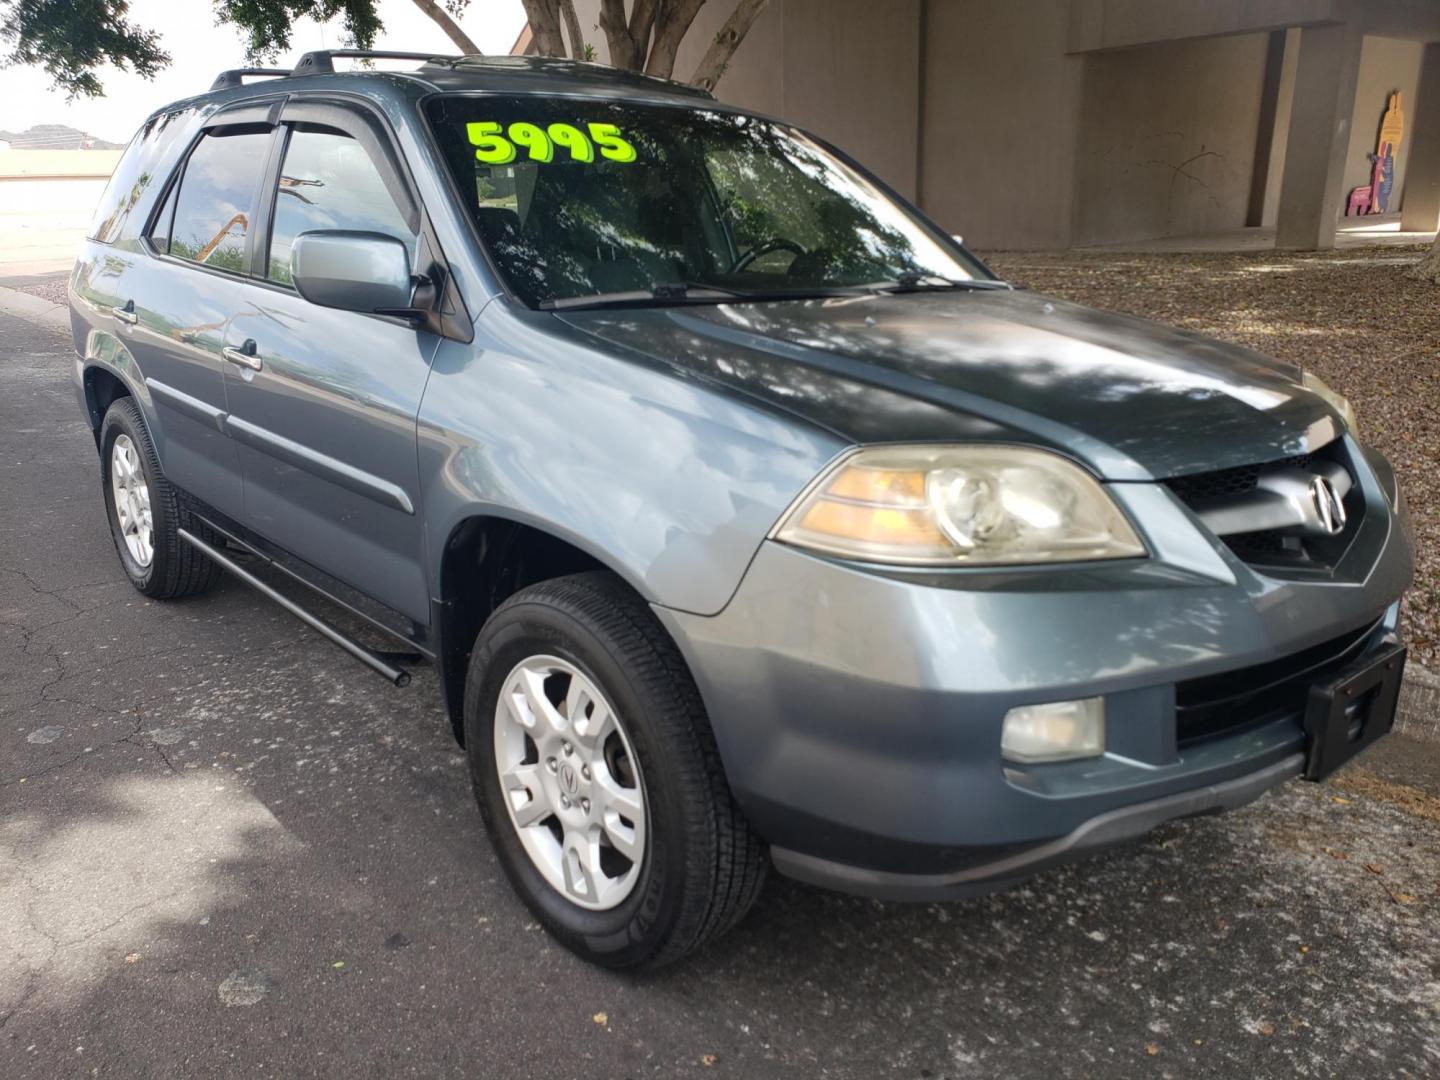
1274, 548
1231, 701
1198, 487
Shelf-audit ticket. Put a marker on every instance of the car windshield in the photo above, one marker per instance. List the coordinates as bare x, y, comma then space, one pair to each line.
583, 201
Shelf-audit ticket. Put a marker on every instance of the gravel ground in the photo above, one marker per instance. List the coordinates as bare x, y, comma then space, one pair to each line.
1354, 317
46, 286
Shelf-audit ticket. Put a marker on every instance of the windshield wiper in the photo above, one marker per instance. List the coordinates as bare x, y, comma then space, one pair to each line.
668, 292
912, 281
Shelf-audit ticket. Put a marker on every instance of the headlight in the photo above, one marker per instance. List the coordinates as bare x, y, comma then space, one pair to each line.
1338, 402
959, 506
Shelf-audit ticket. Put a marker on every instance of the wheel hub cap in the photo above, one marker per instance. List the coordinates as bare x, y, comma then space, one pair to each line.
132, 500
571, 781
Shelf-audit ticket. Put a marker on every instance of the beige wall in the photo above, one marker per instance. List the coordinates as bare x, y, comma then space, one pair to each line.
1386, 64
1001, 105
1167, 139
39, 164
1118, 24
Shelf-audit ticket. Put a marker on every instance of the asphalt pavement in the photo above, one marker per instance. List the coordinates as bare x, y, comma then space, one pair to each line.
227, 849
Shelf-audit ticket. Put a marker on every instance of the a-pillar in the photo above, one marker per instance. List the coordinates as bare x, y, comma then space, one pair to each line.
1312, 192
1421, 208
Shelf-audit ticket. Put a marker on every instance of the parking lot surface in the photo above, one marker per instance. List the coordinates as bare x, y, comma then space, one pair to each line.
226, 849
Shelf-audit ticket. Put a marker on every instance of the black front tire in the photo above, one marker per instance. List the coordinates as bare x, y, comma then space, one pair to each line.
703, 865
175, 568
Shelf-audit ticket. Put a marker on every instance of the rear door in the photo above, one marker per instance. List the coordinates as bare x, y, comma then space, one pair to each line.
322, 403
177, 301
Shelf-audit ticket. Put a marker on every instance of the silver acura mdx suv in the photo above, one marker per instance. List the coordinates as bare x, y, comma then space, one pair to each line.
747, 518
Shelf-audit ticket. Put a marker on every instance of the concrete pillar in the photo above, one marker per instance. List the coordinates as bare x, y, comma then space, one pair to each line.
1421, 207
1311, 194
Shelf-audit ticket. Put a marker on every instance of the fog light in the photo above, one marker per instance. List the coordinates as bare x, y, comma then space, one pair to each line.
1055, 731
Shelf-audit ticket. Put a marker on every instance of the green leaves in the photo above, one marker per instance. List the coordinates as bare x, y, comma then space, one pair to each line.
267, 23
71, 38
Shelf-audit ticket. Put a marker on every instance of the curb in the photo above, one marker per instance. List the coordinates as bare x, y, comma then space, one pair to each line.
1418, 714
35, 310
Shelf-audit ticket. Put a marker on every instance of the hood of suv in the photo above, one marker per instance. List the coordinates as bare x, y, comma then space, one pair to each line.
1133, 399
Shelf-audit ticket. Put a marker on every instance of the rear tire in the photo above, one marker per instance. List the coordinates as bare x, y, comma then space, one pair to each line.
144, 513
702, 866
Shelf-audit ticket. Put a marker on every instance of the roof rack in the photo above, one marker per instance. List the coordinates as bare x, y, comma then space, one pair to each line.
589, 68
323, 60
236, 76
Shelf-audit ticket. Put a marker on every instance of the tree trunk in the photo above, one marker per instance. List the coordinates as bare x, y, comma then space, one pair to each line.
717, 57
450, 26
670, 29
1428, 268
544, 18
572, 26
623, 53
650, 38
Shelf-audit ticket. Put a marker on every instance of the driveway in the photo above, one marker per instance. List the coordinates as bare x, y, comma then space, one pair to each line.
227, 849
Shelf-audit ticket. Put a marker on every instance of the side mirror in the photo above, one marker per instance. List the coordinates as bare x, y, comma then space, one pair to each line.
353, 271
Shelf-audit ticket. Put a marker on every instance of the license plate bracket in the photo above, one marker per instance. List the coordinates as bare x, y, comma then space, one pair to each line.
1350, 710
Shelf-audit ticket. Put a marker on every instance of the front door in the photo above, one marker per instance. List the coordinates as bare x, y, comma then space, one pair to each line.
322, 403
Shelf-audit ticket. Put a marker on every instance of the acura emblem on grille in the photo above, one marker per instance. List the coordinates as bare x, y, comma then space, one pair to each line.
1328, 506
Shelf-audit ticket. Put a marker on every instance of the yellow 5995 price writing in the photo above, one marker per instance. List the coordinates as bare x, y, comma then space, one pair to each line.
496, 144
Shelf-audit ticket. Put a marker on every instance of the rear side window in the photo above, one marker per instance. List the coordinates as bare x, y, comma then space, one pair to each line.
216, 201
328, 181
143, 167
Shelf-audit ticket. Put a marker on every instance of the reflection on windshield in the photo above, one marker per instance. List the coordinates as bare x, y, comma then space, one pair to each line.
577, 199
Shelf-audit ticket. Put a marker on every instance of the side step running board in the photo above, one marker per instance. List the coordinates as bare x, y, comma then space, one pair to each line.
350, 645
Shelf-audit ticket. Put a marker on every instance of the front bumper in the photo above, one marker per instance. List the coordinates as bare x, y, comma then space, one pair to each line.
1105, 830
858, 710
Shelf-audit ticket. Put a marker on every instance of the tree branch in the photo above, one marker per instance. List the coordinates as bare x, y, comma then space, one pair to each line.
545, 25
670, 29
717, 57
452, 29
572, 24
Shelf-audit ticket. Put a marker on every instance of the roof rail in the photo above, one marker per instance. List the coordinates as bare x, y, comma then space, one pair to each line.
236, 76
323, 60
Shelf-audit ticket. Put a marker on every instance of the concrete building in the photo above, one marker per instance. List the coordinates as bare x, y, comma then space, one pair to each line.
1059, 123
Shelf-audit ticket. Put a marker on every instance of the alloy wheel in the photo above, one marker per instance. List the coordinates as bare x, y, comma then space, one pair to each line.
571, 782
132, 500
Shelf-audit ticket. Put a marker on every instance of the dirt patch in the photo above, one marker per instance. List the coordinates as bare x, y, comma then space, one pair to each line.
1411, 800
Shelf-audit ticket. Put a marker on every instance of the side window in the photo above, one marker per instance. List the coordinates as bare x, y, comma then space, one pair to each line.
216, 202
328, 181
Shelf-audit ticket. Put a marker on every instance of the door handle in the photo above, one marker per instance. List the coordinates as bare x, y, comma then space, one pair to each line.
126, 313
245, 356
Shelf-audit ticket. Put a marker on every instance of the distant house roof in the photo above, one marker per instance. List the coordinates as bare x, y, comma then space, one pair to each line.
524, 43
